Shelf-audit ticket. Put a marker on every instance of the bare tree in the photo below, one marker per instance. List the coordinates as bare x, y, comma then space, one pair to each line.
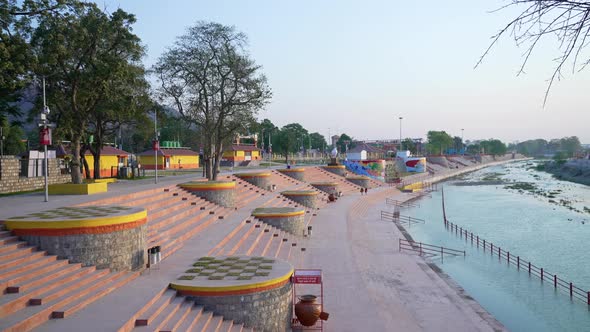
566, 20
209, 77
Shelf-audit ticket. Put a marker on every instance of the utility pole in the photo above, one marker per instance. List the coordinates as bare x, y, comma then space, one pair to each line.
45, 140
400, 133
156, 143
462, 143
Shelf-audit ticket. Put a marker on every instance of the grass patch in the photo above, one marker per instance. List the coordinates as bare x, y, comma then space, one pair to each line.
205, 274
268, 261
216, 278
206, 258
262, 274
265, 267
193, 271
522, 186
222, 270
245, 278
249, 270
233, 274
186, 278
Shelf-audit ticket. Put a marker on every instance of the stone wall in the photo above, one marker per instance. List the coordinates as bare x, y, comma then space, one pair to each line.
292, 224
268, 311
305, 200
120, 250
10, 181
327, 188
225, 198
336, 170
297, 174
259, 181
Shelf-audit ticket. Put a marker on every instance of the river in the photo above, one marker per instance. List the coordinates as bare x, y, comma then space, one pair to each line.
530, 214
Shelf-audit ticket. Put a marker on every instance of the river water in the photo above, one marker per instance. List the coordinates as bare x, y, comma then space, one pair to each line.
541, 219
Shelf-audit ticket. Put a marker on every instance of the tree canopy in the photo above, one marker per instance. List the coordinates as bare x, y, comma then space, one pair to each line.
92, 63
209, 77
438, 142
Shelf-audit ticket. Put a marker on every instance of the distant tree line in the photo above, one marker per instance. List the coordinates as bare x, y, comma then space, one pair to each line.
564, 147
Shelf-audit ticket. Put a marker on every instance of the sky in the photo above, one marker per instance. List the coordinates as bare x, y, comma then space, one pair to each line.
355, 67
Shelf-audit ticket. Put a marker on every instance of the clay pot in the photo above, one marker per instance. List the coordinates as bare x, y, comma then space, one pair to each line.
307, 310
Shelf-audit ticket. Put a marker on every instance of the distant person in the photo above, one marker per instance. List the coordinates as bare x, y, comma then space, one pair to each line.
362, 190
366, 189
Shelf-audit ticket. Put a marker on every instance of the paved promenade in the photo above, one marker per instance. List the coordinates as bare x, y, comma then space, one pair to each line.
368, 284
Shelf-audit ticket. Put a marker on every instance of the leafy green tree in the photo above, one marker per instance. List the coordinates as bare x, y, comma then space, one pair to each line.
16, 57
570, 145
493, 146
289, 139
345, 142
89, 57
438, 142
13, 138
209, 77
474, 148
408, 144
318, 141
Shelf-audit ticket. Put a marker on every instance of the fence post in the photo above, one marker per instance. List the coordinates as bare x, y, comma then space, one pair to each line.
588, 295
555, 281
542, 274
518, 262
420, 248
571, 289
499, 251
508, 254
491, 249
529, 267
484, 245
400, 245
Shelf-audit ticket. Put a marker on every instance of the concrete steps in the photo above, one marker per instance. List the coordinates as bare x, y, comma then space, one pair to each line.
168, 312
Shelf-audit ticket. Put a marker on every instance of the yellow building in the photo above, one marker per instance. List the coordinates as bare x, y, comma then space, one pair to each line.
241, 155
111, 159
169, 158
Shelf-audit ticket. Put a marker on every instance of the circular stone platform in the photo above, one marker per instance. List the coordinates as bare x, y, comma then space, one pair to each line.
362, 181
327, 187
255, 291
295, 173
218, 192
336, 169
289, 219
105, 236
259, 179
304, 197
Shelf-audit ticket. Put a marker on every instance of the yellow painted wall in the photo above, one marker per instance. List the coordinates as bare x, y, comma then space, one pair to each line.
106, 162
148, 162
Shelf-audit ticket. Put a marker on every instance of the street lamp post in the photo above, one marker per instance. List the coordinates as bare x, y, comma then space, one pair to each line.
400, 133
156, 143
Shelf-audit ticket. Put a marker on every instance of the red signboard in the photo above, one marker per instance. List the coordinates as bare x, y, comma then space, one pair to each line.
307, 277
155, 145
45, 136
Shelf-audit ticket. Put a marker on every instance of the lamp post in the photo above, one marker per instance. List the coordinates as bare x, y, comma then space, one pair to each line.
45, 140
400, 133
156, 143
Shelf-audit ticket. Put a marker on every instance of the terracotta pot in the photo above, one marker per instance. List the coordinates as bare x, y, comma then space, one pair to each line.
307, 310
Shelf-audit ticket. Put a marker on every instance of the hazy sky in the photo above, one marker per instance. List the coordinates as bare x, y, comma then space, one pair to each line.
357, 66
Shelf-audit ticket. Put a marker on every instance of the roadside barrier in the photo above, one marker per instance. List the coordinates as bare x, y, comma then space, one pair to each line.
428, 249
574, 291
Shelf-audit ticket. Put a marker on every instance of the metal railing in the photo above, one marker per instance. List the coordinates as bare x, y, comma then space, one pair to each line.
395, 202
558, 283
428, 249
396, 217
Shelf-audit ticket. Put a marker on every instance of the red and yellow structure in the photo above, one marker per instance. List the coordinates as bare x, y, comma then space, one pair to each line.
80, 233
218, 192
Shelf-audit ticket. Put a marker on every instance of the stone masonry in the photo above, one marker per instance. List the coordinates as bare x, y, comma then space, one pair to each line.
10, 181
224, 197
120, 250
295, 173
268, 311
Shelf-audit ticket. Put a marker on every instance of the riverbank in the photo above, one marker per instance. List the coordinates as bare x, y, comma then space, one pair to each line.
577, 170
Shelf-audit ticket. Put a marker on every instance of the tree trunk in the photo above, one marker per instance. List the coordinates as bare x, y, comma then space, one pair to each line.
76, 174
96, 157
217, 160
86, 168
